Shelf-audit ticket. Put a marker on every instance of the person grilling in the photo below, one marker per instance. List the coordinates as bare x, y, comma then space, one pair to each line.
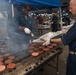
69, 39
25, 25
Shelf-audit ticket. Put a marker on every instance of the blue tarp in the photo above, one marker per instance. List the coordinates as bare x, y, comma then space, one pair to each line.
38, 2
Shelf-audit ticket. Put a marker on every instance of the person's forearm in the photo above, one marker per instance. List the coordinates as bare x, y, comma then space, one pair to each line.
21, 28
57, 40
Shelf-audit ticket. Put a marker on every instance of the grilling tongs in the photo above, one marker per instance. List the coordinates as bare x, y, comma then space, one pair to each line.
38, 37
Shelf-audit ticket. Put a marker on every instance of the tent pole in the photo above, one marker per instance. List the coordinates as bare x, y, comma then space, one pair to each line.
61, 25
12, 10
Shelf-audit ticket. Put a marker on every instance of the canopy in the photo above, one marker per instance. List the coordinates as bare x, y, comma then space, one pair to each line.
38, 2
54, 3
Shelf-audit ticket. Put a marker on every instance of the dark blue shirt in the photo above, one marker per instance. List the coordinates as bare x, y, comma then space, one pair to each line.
25, 21
70, 38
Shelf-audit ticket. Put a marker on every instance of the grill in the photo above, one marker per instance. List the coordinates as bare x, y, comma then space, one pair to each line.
25, 62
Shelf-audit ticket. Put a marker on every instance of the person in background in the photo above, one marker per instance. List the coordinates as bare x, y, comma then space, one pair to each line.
25, 25
69, 39
40, 20
67, 20
55, 22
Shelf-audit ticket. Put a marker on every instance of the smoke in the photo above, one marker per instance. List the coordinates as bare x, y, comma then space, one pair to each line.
3, 18
9, 27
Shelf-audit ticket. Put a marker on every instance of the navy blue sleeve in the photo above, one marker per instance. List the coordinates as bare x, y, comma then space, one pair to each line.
70, 36
19, 20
